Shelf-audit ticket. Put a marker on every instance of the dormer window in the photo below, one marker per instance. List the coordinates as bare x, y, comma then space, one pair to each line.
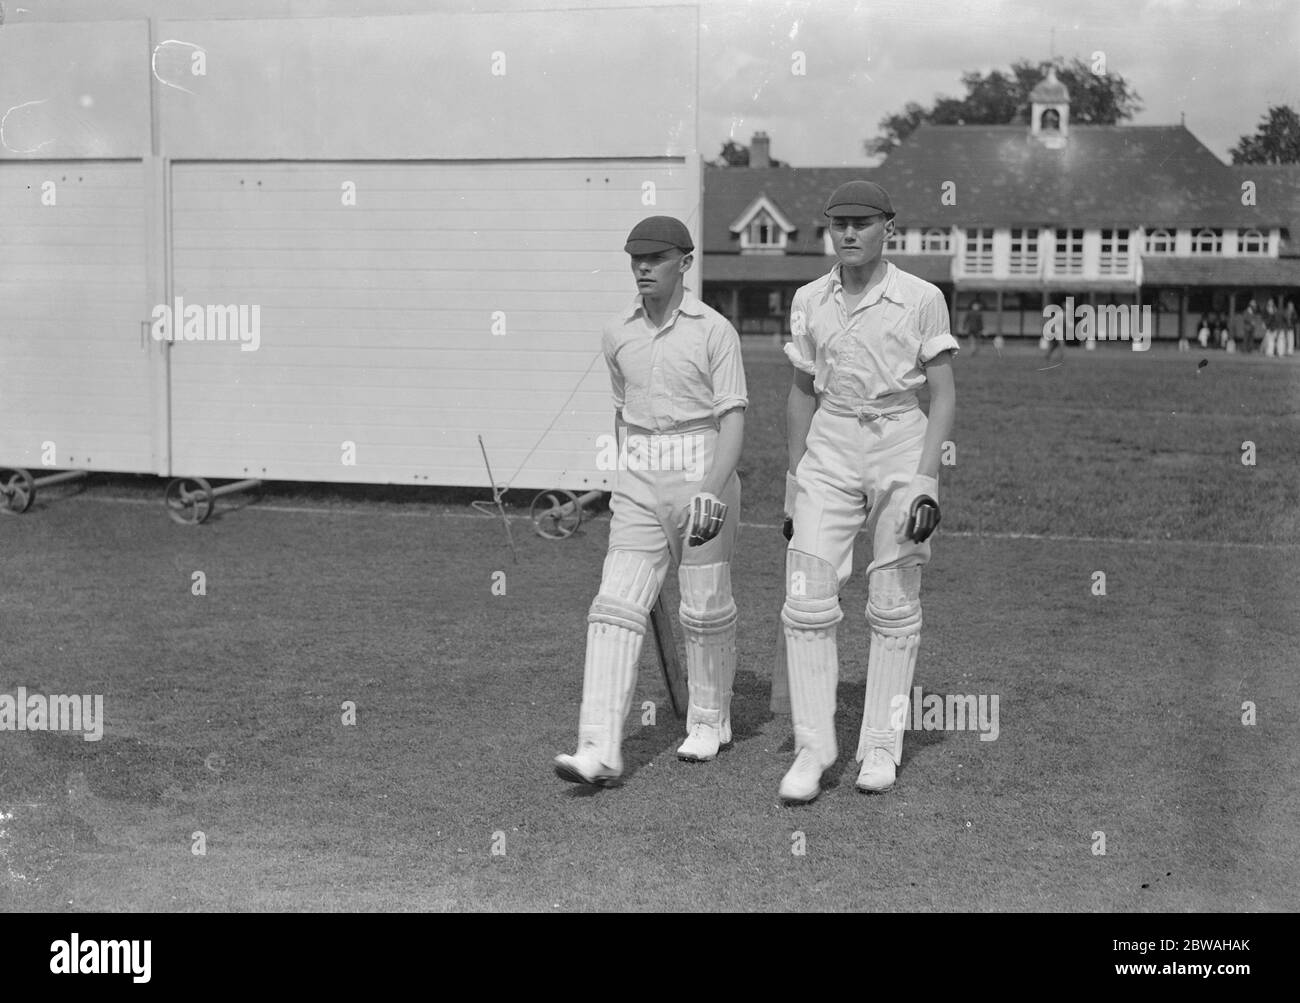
762, 228
763, 233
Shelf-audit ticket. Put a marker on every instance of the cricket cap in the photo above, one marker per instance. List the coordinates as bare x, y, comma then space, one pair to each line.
859, 198
658, 233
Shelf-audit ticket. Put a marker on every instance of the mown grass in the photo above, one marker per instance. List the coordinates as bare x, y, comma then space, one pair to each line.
1120, 713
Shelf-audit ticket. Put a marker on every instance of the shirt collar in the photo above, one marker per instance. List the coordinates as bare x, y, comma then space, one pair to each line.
888, 288
690, 305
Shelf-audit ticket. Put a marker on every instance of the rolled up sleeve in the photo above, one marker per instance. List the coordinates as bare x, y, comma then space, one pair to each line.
727, 370
935, 331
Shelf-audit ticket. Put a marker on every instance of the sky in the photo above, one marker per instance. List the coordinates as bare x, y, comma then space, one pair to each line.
1222, 63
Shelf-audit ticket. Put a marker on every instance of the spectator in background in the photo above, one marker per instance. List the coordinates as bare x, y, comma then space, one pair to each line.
1203, 331
975, 326
1289, 319
1251, 326
1272, 322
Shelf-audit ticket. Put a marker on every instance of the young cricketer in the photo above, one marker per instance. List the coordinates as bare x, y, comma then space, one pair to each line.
679, 400
866, 338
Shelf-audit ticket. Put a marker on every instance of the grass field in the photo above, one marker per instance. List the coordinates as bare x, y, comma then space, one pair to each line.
1120, 714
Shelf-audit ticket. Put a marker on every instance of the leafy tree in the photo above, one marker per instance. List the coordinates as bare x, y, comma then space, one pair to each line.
1276, 140
1001, 97
732, 155
735, 155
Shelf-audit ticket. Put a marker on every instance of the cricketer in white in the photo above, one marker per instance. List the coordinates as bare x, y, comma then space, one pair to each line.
676, 373
865, 338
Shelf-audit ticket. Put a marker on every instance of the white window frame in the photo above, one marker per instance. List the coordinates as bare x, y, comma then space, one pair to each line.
978, 258
1215, 241
1160, 235
1247, 237
1024, 251
762, 214
751, 238
1115, 256
1067, 251
897, 244
943, 241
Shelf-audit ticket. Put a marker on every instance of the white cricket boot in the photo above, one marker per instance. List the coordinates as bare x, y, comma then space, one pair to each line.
894, 613
810, 614
708, 618
616, 629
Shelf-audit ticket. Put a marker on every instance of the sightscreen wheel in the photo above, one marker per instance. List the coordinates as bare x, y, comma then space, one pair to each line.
189, 500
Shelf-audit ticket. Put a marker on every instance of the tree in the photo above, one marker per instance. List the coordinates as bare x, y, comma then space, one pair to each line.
732, 155
735, 155
1001, 97
1276, 141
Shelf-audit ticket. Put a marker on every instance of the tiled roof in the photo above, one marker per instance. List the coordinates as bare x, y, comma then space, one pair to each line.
1220, 271
765, 267
1277, 187
1103, 176
801, 192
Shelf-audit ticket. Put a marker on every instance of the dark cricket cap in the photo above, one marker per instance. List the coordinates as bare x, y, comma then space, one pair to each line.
658, 233
859, 198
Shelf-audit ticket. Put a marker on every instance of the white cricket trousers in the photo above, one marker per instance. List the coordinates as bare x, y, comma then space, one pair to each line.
857, 470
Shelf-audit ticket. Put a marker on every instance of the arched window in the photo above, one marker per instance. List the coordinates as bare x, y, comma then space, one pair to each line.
1251, 242
936, 242
1207, 241
1050, 120
1160, 242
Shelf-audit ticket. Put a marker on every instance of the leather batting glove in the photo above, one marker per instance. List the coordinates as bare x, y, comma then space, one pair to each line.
920, 510
791, 490
707, 514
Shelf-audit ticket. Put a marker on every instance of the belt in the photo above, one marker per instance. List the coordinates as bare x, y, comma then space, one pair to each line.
699, 425
867, 412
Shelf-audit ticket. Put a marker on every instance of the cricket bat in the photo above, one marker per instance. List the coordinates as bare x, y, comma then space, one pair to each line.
661, 625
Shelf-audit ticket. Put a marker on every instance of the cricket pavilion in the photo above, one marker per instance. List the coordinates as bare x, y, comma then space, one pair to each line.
1020, 217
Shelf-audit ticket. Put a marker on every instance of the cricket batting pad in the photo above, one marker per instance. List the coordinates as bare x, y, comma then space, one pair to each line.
615, 631
810, 614
894, 613
708, 616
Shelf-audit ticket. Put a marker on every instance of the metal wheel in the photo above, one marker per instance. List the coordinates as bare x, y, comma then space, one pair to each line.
18, 491
556, 514
189, 500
